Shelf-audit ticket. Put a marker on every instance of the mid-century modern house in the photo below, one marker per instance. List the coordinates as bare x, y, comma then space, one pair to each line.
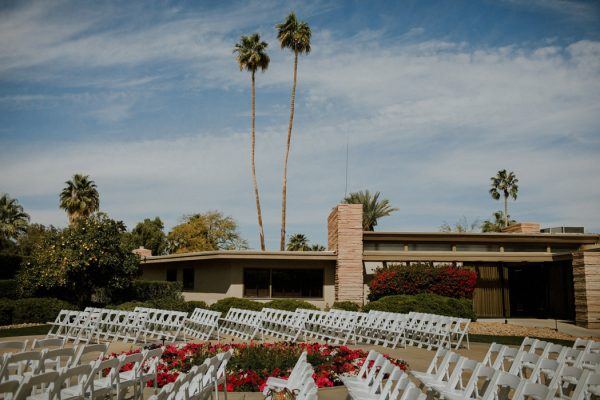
524, 271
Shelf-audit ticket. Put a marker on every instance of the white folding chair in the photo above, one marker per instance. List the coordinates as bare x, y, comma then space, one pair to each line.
89, 353
15, 346
73, 383
50, 343
19, 366
38, 387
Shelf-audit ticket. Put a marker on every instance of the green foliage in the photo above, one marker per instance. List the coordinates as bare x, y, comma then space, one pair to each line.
373, 208
461, 226
31, 310
346, 305
225, 304
504, 183
496, 223
299, 242
205, 232
294, 34
9, 289
131, 305
425, 303
289, 304
190, 306
79, 261
152, 290
13, 220
251, 53
79, 198
9, 265
150, 235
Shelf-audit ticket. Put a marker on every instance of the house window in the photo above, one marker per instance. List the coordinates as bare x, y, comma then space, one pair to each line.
188, 279
256, 282
283, 283
172, 275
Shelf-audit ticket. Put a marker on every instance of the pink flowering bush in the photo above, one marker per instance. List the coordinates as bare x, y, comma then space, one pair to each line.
251, 364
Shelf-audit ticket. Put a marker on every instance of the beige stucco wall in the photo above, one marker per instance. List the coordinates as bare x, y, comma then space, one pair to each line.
217, 279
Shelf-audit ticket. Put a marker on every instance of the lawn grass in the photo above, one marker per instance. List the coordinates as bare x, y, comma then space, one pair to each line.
514, 340
25, 331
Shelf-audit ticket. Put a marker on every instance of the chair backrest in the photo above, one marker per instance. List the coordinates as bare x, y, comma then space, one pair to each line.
19, 363
89, 353
9, 387
38, 382
78, 375
47, 343
61, 358
16, 345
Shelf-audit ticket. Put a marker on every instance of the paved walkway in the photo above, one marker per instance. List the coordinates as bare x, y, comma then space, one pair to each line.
566, 327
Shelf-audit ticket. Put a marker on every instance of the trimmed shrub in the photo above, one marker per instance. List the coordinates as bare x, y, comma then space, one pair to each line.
153, 290
423, 278
289, 304
225, 304
9, 289
190, 306
130, 305
6, 311
38, 310
346, 305
425, 303
165, 303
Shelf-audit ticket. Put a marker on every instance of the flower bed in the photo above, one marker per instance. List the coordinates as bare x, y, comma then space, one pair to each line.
251, 364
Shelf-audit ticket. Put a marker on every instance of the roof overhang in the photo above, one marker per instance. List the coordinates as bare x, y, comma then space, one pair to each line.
242, 255
464, 256
453, 237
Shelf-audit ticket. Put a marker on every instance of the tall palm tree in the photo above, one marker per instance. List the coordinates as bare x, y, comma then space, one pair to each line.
293, 35
80, 197
373, 208
497, 223
505, 183
13, 220
298, 242
251, 55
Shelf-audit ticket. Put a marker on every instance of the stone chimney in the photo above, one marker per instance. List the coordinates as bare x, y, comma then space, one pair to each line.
143, 252
522, 227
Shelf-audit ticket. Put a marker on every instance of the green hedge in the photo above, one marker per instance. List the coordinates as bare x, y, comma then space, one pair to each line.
9, 289
426, 303
9, 265
190, 306
346, 306
155, 290
289, 304
31, 310
225, 304
130, 305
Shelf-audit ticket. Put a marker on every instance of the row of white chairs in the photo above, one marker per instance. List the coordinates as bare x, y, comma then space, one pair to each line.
537, 369
300, 383
202, 324
200, 382
379, 379
339, 326
102, 324
29, 377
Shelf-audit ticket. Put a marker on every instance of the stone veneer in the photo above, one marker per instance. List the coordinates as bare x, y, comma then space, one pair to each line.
586, 282
345, 237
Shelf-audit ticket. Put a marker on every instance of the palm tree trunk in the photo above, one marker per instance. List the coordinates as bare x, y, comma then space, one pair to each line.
287, 154
254, 182
505, 211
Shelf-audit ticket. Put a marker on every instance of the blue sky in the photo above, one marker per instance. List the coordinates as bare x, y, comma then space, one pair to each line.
433, 98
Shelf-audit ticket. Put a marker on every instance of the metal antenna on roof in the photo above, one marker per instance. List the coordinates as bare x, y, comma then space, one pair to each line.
346, 188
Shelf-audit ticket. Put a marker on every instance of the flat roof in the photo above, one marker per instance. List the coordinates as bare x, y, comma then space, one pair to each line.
492, 237
242, 255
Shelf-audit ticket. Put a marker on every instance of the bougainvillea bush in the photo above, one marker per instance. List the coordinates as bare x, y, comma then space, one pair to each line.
446, 281
251, 364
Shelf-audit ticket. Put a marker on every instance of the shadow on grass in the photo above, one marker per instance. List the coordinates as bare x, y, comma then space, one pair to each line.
25, 331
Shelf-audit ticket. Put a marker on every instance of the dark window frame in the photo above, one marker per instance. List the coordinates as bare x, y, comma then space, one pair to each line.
188, 284
267, 291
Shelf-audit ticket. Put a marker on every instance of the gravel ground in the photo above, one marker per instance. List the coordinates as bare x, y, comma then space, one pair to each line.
501, 329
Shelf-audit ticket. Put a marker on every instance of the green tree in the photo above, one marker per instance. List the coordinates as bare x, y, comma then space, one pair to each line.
294, 35
373, 208
80, 197
461, 226
13, 220
150, 235
298, 242
317, 247
505, 184
80, 262
205, 232
251, 55
496, 223
34, 234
